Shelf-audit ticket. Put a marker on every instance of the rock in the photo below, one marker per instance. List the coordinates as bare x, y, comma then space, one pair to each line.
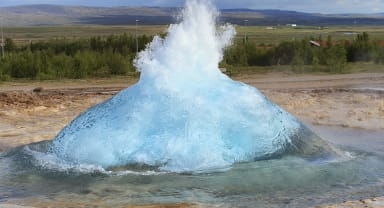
38, 89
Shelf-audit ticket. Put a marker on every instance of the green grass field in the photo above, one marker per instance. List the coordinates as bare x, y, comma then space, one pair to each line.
24, 35
277, 34
258, 34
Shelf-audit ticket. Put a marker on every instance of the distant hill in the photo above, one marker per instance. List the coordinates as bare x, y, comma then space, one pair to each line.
53, 15
56, 15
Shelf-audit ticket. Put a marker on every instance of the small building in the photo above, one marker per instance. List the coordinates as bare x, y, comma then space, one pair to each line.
312, 42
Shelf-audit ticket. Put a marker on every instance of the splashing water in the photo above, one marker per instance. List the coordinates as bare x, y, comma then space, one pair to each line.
184, 114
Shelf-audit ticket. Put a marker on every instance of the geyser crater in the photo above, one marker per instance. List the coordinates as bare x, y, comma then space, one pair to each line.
184, 114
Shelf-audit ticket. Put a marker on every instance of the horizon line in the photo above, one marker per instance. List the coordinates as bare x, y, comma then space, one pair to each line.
221, 9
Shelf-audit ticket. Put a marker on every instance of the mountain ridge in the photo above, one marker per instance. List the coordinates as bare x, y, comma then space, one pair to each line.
48, 14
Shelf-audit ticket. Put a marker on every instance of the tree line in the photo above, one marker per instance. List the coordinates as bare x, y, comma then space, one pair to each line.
68, 58
114, 54
309, 54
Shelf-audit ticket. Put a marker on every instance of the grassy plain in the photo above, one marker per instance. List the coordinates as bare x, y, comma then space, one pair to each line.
26, 34
258, 34
277, 34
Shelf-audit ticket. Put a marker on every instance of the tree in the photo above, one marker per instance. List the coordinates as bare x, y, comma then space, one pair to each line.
360, 49
315, 64
378, 55
9, 45
61, 66
336, 58
236, 55
284, 53
297, 63
117, 64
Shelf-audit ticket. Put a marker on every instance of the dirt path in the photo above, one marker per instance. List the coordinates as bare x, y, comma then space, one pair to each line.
302, 81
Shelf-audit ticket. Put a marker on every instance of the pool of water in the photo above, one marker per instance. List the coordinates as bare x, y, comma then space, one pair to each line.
285, 181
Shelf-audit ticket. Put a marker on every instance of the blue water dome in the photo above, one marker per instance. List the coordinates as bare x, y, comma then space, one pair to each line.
184, 114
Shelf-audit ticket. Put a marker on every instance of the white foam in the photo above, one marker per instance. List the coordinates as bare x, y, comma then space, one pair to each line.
184, 114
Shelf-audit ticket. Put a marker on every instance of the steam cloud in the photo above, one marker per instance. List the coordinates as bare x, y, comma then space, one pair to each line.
183, 114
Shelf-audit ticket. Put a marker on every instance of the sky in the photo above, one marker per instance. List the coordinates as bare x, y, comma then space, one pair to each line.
313, 6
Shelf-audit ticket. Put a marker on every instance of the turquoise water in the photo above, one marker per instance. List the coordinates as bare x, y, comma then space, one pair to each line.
184, 119
276, 182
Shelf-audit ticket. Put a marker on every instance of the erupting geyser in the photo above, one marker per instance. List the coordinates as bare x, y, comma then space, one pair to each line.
184, 114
